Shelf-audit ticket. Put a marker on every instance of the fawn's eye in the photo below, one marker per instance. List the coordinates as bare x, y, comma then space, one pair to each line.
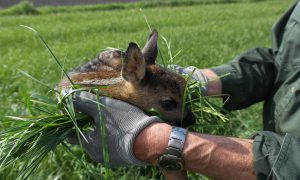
168, 103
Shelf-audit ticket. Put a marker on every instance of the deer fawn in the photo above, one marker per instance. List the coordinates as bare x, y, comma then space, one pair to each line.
133, 76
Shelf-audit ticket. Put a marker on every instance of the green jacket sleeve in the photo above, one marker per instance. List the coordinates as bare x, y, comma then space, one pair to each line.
250, 79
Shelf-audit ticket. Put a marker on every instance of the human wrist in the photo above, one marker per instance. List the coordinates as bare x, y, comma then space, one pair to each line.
152, 142
214, 85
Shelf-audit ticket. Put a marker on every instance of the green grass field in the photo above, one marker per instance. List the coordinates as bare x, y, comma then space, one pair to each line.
207, 35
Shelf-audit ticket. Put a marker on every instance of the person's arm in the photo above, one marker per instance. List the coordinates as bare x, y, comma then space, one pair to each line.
250, 78
247, 79
214, 156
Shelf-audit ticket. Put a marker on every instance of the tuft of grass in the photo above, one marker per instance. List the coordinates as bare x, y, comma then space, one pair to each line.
28, 140
209, 114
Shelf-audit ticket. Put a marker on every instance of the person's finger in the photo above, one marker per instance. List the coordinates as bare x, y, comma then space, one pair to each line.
92, 145
86, 102
85, 138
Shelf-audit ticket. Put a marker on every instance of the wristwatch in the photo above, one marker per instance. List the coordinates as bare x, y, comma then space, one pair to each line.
172, 160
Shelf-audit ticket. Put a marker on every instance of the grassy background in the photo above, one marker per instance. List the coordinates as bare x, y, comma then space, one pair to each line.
26, 7
208, 35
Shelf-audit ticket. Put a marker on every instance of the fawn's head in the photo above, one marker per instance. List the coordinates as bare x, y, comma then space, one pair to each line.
139, 80
153, 86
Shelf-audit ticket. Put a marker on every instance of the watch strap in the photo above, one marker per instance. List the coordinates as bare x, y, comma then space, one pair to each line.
172, 157
176, 141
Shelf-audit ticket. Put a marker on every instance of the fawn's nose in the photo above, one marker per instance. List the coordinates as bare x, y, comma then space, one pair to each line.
188, 120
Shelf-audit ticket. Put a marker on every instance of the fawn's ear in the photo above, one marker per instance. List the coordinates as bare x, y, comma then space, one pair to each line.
150, 49
134, 66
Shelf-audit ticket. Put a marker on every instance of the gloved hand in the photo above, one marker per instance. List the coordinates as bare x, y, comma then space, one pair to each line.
123, 123
196, 75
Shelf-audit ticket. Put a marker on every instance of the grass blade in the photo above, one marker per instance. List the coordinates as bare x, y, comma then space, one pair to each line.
49, 49
36, 80
102, 128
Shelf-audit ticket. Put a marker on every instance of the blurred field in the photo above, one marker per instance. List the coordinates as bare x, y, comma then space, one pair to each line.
207, 35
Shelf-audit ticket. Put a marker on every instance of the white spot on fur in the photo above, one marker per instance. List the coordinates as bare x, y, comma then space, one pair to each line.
101, 82
107, 68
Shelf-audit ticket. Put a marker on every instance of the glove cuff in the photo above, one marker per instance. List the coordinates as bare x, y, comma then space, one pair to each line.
130, 138
199, 76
